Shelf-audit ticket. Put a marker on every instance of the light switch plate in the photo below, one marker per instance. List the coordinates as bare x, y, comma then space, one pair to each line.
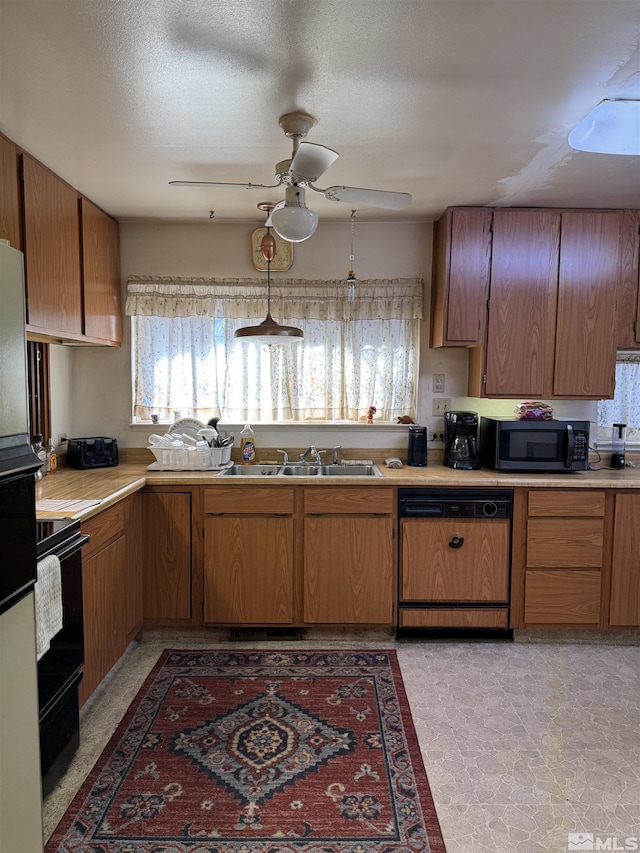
440, 406
438, 383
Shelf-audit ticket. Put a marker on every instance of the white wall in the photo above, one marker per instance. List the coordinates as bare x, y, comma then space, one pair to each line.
95, 383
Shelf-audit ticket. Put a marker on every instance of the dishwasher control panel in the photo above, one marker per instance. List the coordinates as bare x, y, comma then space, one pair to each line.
454, 503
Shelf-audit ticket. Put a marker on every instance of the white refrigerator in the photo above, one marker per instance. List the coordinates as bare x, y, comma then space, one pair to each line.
20, 785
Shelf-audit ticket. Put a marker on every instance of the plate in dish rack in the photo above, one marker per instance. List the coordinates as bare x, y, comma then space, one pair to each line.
187, 426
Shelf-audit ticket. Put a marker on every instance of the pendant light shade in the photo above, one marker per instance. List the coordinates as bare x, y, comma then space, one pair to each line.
269, 332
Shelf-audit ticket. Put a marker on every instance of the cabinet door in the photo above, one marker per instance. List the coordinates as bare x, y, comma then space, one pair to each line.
460, 282
348, 570
133, 587
628, 315
9, 193
166, 555
248, 570
100, 274
52, 251
434, 569
625, 571
585, 360
103, 591
522, 301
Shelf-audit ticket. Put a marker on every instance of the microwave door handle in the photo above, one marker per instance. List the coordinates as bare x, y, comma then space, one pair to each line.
570, 441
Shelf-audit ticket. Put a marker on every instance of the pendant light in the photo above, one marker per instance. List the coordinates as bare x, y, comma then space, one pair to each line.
269, 332
351, 277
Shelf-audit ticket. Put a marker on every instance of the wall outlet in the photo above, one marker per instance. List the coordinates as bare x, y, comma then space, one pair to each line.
62, 437
438, 383
440, 405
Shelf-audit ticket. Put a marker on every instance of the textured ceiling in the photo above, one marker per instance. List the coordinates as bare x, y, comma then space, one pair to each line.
455, 101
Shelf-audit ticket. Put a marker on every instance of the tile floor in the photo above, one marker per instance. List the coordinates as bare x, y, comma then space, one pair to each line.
523, 742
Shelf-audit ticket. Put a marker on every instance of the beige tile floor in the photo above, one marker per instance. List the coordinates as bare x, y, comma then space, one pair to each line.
523, 742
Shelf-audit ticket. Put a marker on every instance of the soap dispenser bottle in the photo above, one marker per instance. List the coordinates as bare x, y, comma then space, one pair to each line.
247, 445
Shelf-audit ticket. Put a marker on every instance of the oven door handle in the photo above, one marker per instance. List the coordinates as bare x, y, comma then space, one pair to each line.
67, 550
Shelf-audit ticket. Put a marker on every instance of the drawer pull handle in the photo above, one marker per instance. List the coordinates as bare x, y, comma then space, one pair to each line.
456, 542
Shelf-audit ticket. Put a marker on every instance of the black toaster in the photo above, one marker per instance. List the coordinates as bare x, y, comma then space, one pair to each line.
92, 453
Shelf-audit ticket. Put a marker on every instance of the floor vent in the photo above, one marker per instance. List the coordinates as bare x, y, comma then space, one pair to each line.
247, 634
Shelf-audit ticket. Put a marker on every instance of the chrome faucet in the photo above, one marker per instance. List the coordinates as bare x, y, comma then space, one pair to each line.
336, 450
285, 456
311, 451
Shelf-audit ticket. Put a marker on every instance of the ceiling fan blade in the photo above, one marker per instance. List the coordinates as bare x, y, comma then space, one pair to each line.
371, 198
221, 184
311, 160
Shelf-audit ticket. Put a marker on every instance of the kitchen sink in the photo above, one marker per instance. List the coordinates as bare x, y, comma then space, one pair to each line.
252, 470
350, 471
302, 471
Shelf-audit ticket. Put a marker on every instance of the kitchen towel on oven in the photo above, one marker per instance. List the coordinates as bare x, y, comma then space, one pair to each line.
48, 596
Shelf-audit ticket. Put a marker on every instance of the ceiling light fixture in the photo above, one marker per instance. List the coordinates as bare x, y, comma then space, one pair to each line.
612, 127
269, 332
293, 221
351, 276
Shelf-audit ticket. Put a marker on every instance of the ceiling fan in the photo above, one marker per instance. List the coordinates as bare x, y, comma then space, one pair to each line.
291, 218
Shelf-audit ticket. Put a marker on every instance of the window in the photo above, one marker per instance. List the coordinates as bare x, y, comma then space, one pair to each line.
625, 406
355, 354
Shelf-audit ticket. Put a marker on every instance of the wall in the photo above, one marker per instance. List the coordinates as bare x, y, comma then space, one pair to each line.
95, 383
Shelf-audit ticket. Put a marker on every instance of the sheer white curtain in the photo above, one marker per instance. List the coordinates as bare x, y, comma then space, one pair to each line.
625, 406
355, 354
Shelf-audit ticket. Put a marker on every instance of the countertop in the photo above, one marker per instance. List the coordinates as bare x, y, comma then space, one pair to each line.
107, 486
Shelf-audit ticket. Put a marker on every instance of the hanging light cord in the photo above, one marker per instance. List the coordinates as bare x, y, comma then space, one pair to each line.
351, 277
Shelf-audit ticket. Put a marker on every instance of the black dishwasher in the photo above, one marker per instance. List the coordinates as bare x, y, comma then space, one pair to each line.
455, 560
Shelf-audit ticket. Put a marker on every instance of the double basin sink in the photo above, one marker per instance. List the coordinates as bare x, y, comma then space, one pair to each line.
302, 470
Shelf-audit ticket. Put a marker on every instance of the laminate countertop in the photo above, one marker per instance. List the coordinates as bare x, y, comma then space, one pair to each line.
104, 487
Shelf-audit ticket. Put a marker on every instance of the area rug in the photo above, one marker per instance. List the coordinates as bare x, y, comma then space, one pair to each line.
260, 751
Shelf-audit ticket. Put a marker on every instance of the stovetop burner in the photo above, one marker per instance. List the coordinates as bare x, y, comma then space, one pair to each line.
51, 534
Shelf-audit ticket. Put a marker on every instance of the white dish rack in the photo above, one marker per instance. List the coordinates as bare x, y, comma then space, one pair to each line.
157, 466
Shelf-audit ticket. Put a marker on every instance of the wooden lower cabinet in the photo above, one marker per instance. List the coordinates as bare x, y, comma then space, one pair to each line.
624, 606
564, 550
348, 570
249, 555
248, 570
299, 555
166, 556
105, 568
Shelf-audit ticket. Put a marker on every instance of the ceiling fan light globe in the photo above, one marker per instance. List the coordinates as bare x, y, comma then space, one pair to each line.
294, 223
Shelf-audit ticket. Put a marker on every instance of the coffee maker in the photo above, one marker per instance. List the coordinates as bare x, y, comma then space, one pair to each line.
461, 440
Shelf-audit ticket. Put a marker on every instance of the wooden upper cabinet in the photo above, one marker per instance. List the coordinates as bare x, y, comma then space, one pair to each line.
524, 280
100, 274
587, 288
628, 325
460, 283
52, 251
10, 193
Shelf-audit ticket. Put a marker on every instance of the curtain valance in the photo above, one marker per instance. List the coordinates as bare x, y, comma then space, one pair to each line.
375, 299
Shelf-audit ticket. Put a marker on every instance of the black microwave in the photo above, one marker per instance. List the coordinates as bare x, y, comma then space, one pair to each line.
553, 446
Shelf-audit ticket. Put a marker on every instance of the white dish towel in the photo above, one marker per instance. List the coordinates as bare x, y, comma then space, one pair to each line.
393, 462
48, 598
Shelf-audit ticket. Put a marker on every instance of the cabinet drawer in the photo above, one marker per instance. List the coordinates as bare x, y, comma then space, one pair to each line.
239, 499
562, 597
465, 618
570, 544
565, 502
355, 500
103, 529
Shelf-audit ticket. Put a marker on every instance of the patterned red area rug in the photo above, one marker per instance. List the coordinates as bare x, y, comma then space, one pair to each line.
260, 752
